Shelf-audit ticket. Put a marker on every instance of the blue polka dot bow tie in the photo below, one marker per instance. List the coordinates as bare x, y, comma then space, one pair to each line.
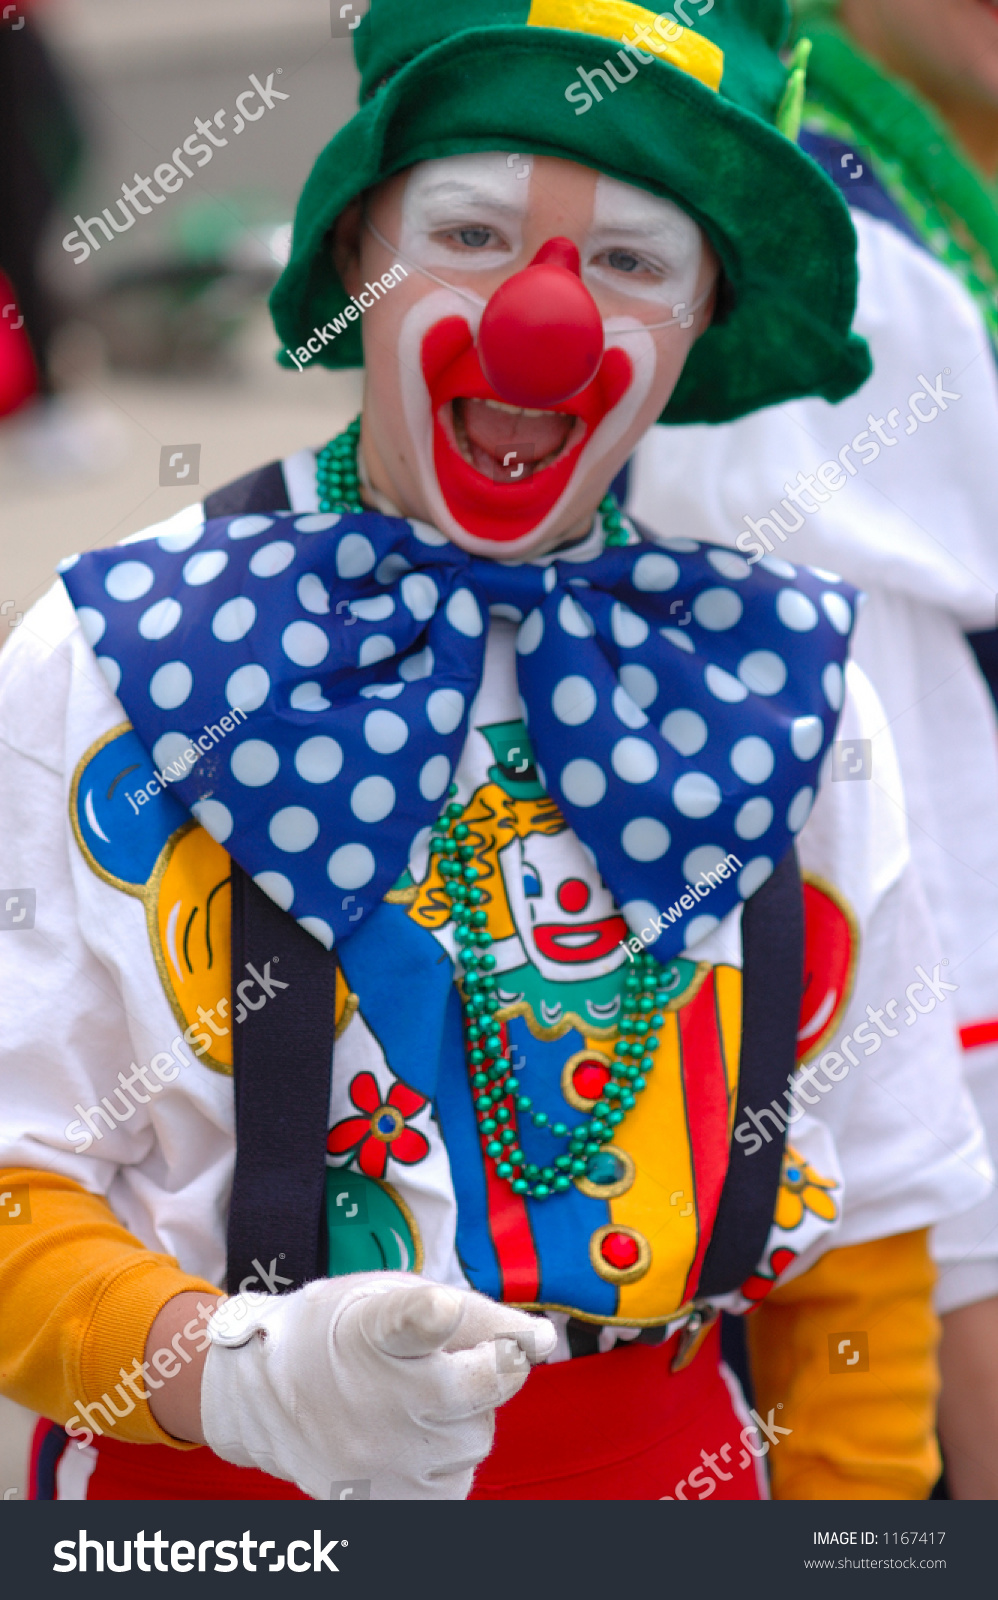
678, 700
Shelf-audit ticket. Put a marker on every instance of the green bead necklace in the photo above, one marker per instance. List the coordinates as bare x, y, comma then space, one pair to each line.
338, 483
496, 1090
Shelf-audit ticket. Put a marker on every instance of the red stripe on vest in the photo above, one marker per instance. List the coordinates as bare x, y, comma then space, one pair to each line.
509, 1225
706, 1090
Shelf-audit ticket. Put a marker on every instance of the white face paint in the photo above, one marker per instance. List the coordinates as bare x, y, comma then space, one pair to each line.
640, 247
490, 190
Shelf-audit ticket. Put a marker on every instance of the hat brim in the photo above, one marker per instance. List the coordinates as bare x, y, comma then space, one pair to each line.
779, 226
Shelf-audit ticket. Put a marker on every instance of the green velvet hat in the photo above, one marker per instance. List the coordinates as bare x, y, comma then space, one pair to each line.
708, 119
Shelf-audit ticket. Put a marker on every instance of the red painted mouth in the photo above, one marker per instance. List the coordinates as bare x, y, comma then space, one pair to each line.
479, 441
580, 941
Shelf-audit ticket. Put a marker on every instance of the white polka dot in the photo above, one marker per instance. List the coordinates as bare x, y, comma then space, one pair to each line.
838, 611
574, 700
304, 643
434, 777
685, 730
799, 809
247, 687
381, 691
372, 799
641, 685
645, 839
308, 697
549, 580
583, 783
391, 568
214, 818
506, 612
412, 668
254, 763
176, 543
248, 527
655, 572
445, 708
169, 748
317, 521
796, 611
573, 620
385, 731
313, 595
376, 647
351, 866
826, 576
205, 566
634, 760
763, 671
530, 634
272, 558
754, 875
294, 828
277, 888
683, 547
626, 711
377, 609
419, 595
319, 929
628, 629
717, 609
129, 580
778, 567
462, 613
233, 620
700, 928
641, 915
752, 759
723, 686
833, 684
67, 563
354, 556
319, 759
696, 794
704, 858
729, 565
171, 684
682, 641
806, 734
754, 817
160, 619
427, 534
111, 671
93, 624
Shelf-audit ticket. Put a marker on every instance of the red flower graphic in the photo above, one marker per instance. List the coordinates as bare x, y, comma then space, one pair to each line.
382, 1130
757, 1286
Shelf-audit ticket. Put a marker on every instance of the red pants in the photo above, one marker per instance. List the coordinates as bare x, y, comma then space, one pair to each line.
620, 1426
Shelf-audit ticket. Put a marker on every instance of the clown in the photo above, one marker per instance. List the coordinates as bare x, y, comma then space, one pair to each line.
484, 1186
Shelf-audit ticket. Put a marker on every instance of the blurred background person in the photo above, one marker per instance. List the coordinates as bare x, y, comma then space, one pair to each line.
897, 488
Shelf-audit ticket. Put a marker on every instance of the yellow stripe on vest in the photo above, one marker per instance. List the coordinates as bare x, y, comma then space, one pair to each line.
661, 35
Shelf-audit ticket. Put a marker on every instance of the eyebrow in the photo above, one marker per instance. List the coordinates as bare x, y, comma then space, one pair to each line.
454, 191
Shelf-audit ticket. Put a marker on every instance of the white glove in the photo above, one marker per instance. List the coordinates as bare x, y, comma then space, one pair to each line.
378, 1380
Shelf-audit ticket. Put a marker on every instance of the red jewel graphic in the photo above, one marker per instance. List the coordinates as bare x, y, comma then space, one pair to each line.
589, 1079
619, 1250
382, 1132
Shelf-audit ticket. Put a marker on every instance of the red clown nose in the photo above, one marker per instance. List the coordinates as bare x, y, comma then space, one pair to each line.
541, 335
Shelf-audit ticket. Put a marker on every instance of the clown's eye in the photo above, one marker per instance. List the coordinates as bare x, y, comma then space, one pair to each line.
472, 238
531, 882
628, 264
